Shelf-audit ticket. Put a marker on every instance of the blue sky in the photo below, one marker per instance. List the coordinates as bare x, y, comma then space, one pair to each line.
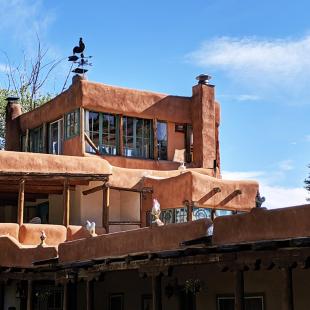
258, 53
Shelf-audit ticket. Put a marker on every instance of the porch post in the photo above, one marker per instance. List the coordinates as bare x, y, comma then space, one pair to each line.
90, 294
156, 292
105, 207
29, 295
21, 202
66, 203
65, 296
288, 296
239, 290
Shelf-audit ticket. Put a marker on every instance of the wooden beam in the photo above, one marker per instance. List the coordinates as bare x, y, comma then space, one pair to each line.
91, 143
66, 204
156, 292
229, 198
29, 295
105, 208
124, 223
209, 195
21, 202
288, 296
239, 290
33, 189
101, 187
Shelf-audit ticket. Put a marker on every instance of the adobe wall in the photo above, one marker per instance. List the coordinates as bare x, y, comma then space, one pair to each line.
204, 128
54, 109
12, 126
262, 224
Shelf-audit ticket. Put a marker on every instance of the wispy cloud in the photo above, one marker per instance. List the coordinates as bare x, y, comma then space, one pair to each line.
276, 196
4, 68
270, 67
23, 19
286, 165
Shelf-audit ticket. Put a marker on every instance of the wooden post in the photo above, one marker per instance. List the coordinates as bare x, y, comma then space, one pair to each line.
44, 138
2, 293
156, 292
239, 290
288, 296
155, 141
29, 295
27, 141
189, 206
21, 202
120, 136
82, 129
66, 203
65, 296
105, 208
90, 294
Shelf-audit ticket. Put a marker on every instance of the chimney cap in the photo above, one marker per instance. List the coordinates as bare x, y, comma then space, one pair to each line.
12, 98
203, 78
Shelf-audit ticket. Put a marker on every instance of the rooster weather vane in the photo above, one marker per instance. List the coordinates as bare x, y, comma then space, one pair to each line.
82, 61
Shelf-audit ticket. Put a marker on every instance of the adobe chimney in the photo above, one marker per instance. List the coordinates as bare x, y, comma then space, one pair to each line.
204, 124
12, 127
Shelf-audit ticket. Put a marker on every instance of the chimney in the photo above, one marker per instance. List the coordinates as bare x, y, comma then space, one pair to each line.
204, 124
12, 127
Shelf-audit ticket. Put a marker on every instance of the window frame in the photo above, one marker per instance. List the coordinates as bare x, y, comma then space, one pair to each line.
76, 124
260, 296
60, 136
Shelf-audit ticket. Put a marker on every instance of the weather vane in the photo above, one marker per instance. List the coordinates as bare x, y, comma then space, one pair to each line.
82, 61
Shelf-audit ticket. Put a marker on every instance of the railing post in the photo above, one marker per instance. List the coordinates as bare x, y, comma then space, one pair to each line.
21, 202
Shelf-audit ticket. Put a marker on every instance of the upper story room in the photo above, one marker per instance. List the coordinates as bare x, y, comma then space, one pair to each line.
129, 128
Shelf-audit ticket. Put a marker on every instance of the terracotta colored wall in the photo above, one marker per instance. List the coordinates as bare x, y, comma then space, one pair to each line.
73, 146
133, 241
136, 163
12, 127
262, 224
176, 140
203, 120
10, 229
29, 234
172, 192
53, 109
105, 98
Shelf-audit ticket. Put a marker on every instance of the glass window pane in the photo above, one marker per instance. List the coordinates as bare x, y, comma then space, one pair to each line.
219, 212
162, 140
201, 213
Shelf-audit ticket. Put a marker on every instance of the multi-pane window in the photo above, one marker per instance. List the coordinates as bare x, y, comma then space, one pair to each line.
102, 129
137, 137
56, 137
221, 212
109, 134
72, 124
178, 215
36, 140
201, 213
92, 129
162, 139
250, 303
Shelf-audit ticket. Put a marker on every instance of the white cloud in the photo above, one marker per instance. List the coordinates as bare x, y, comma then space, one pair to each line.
254, 55
276, 196
23, 19
273, 68
286, 165
4, 68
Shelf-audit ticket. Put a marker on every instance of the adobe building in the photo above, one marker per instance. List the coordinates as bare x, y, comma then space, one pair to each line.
101, 153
